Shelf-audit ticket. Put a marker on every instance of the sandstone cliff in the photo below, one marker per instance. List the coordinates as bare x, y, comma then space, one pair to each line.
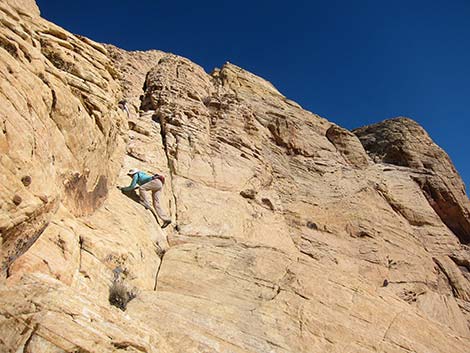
290, 233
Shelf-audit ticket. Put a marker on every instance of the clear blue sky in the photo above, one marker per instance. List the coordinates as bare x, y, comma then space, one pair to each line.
352, 62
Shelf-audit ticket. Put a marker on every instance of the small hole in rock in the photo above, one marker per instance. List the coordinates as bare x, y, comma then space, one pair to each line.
17, 200
26, 180
248, 194
312, 225
268, 203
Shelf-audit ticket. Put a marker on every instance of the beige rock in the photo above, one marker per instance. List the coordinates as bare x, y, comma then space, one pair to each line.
391, 224
44, 315
459, 283
59, 126
348, 146
131, 71
24, 7
403, 142
286, 236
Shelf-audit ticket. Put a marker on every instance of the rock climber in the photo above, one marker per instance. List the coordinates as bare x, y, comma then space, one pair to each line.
148, 183
123, 105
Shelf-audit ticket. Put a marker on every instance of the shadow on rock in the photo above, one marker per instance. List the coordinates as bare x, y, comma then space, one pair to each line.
132, 194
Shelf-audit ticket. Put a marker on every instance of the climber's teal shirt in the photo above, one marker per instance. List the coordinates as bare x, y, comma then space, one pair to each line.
139, 178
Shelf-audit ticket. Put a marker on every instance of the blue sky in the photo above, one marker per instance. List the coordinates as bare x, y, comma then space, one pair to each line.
352, 62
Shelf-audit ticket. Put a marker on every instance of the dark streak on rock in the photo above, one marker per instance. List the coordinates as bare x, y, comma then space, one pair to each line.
18, 240
82, 201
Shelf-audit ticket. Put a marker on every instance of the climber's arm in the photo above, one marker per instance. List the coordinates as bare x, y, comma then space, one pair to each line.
135, 178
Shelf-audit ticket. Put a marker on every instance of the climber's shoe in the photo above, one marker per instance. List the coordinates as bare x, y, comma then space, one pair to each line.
166, 224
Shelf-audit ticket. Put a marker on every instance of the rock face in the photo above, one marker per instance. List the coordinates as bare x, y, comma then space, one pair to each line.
403, 142
348, 145
287, 236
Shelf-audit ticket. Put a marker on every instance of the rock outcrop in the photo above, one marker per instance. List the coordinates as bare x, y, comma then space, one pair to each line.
290, 234
348, 145
61, 138
403, 142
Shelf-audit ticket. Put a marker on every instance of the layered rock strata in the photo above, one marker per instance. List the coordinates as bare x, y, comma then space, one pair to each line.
403, 142
290, 234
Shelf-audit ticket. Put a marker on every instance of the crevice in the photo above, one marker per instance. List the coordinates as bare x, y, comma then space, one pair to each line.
308, 254
457, 282
126, 345
159, 117
276, 293
390, 325
9, 47
258, 246
28, 341
461, 262
407, 282
274, 344
163, 133
80, 263
449, 280
158, 271
444, 202
300, 295
80, 244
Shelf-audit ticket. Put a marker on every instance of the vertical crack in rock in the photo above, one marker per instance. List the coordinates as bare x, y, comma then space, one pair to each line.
28, 341
389, 327
453, 213
80, 256
158, 271
163, 132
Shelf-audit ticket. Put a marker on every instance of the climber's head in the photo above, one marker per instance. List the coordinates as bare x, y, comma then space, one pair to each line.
132, 171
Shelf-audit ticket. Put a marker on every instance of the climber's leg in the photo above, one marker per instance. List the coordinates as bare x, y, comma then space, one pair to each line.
144, 197
158, 208
155, 186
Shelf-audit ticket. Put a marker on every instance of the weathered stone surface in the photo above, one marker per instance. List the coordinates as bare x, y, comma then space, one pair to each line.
62, 141
287, 237
58, 124
131, 71
403, 142
348, 146
381, 207
24, 7
44, 315
459, 283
